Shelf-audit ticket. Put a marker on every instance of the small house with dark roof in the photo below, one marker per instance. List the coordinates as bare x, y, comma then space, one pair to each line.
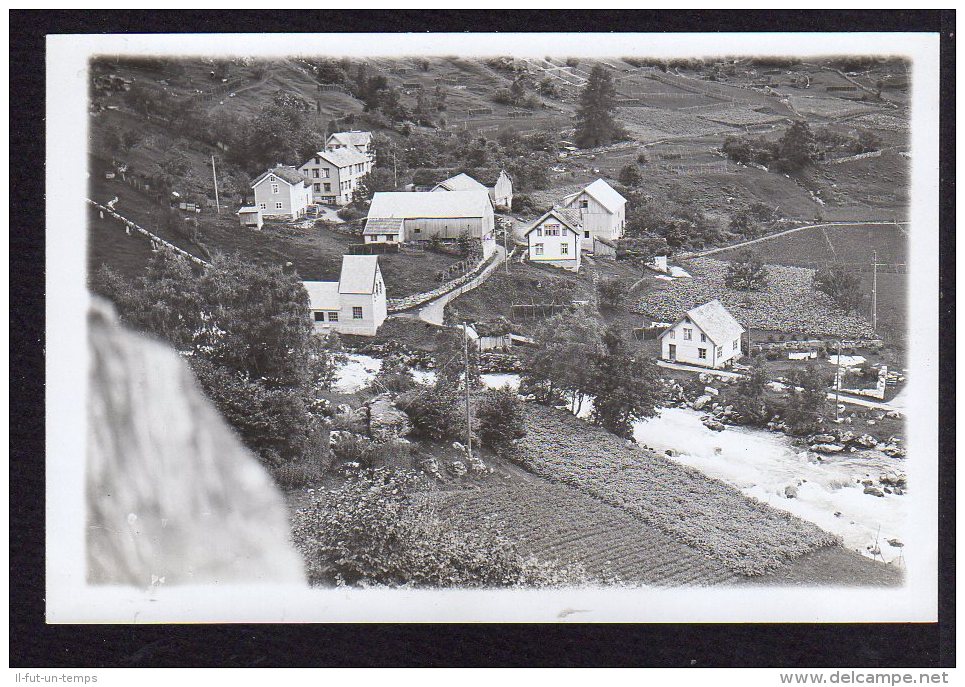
708, 336
355, 304
554, 239
282, 192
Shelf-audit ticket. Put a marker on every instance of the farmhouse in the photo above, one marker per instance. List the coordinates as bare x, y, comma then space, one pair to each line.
707, 335
282, 192
602, 212
334, 174
355, 304
250, 217
422, 216
501, 192
356, 141
554, 239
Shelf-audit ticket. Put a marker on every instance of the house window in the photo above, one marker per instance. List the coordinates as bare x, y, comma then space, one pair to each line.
703, 338
278, 206
333, 316
271, 178
318, 160
670, 334
720, 351
538, 249
263, 206
539, 231
586, 234
584, 203
356, 312
702, 353
319, 316
328, 187
274, 188
564, 249
688, 334
315, 173
737, 343
317, 188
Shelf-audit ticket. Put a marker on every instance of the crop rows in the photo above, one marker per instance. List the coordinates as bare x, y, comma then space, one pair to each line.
742, 116
745, 535
789, 302
654, 123
558, 523
830, 108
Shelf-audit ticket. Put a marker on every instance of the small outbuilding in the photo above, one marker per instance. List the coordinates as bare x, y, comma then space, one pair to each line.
250, 217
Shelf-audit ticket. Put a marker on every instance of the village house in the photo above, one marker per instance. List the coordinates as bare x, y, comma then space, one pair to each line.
401, 216
707, 335
356, 141
334, 175
554, 239
355, 304
250, 217
602, 212
501, 192
282, 192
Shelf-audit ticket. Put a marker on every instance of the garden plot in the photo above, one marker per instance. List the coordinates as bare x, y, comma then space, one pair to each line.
748, 537
558, 523
648, 124
828, 108
789, 303
741, 116
881, 121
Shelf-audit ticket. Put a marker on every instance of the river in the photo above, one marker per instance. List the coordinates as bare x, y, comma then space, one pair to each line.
759, 463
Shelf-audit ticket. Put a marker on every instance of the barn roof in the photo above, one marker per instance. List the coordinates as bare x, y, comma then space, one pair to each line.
461, 182
603, 193
343, 157
382, 225
353, 138
567, 216
407, 205
715, 321
322, 295
248, 210
289, 175
358, 273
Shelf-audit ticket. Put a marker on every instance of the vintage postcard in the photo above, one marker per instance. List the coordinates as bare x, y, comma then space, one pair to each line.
431, 327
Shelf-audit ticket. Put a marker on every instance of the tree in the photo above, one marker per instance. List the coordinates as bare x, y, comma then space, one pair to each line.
746, 273
796, 147
806, 401
641, 250
611, 292
748, 395
841, 284
436, 412
501, 418
595, 125
630, 175
625, 387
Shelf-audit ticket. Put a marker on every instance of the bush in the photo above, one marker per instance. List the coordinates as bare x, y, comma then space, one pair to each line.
629, 175
435, 413
501, 418
746, 273
841, 284
367, 453
350, 213
612, 292
382, 528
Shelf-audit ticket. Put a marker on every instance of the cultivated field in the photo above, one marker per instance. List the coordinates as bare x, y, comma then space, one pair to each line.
746, 536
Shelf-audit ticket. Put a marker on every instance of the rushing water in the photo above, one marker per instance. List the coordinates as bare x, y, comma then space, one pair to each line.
759, 463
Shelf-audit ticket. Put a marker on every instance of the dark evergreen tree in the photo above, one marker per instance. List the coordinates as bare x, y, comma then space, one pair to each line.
595, 125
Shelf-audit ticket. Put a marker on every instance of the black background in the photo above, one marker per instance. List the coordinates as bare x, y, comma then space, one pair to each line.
35, 644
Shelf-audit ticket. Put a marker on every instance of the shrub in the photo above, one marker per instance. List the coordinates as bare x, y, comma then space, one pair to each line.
435, 413
629, 175
367, 453
350, 213
841, 284
382, 528
501, 418
746, 273
612, 292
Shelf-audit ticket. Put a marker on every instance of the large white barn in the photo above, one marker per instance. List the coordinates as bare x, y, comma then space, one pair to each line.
401, 216
707, 335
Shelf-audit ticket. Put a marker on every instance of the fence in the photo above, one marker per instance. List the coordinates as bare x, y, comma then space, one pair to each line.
538, 310
372, 248
156, 241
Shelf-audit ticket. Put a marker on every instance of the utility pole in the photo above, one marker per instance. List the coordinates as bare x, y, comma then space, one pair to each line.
214, 174
395, 170
837, 385
465, 345
874, 294
506, 231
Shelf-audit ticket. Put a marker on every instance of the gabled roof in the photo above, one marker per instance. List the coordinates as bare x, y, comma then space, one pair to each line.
289, 175
460, 182
715, 321
603, 193
358, 273
567, 216
352, 138
409, 205
381, 225
343, 157
322, 295
248, 210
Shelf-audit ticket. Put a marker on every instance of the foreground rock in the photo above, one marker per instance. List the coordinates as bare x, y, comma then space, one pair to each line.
386, 421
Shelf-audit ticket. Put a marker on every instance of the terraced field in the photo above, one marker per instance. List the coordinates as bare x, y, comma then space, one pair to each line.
648, 124
557, 522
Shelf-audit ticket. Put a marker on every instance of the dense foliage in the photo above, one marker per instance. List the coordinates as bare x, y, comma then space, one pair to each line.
381, 528
841, 284
746, 273
595, 125
500, 417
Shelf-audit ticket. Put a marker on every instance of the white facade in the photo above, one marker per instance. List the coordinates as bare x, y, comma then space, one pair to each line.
355, 304
502, 192
707, 336
448, 215
282, 192
555, 241
357, 141
334, 175
602, 212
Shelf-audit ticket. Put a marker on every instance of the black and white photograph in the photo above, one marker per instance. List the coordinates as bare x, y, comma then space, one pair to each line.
439, 327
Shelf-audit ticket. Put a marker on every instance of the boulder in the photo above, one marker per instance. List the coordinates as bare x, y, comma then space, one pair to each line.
386, 421
822, 439
711, 390
867, 441
874, 491
702, 401
457, 468
827, 448
894, 415
790, 491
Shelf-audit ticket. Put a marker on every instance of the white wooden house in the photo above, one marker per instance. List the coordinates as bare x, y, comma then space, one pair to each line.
707, 335
422, 216
602, 212
250, 217
554, 239
357, 141
501, 191
282, 192
334, 175
355, 304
